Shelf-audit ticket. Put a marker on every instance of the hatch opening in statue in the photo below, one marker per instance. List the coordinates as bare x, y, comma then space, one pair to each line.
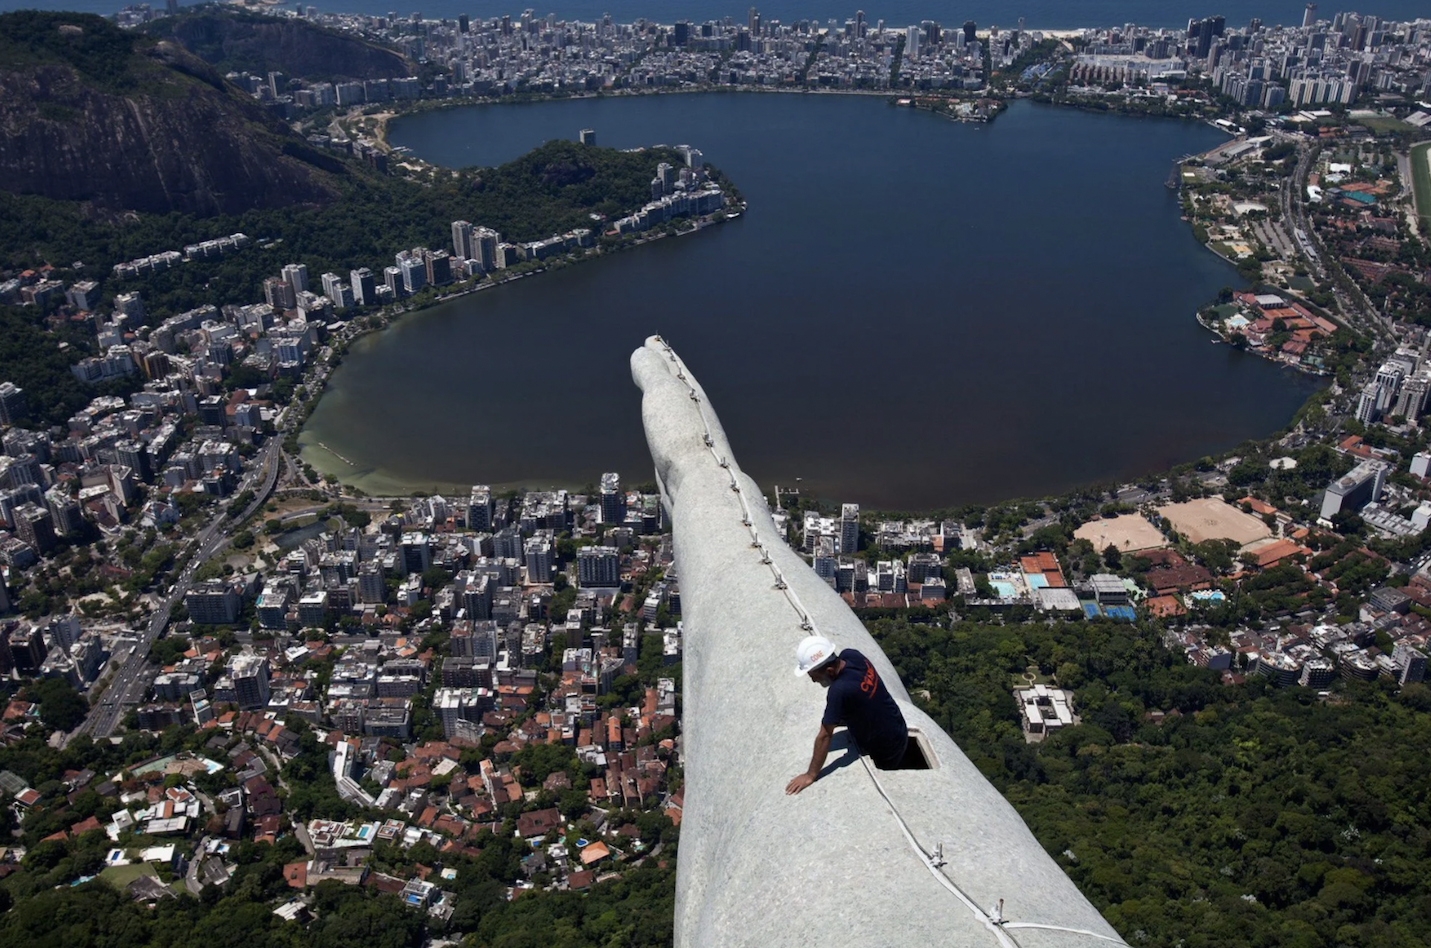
917, 753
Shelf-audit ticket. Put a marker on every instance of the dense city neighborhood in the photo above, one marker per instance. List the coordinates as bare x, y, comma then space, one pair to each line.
228, 672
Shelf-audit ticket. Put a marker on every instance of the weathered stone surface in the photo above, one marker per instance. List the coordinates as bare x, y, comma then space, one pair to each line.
832, 866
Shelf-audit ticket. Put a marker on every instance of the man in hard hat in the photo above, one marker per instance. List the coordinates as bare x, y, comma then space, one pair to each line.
856, 698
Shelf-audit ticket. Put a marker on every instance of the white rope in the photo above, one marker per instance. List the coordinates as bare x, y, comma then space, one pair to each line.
1072, 931
932, 865
998, 928
807, 624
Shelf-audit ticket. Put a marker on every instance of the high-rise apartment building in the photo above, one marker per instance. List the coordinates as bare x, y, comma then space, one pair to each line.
35, 526
538, 551
250, 677
1388, 384
1366, 410
68, 517
296, 275
279, 293
213, 603
364, 287
598, 567
372, 585
438, 264
12, 403
484, 248
392, 279
462, 246
331, 282
416, 552
27, 650
613, 499
479, 508
414, 274
476, 598
849, 528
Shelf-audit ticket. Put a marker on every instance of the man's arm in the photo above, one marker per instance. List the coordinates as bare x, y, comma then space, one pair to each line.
817, 760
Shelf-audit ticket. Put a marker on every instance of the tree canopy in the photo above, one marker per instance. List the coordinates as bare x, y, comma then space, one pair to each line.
61, 707
1242, 815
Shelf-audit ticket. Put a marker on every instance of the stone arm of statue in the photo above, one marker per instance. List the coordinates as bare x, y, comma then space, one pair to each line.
817, 761
933, 845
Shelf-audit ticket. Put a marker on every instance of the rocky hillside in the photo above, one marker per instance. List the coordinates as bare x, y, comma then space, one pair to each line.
128, 122
236, 41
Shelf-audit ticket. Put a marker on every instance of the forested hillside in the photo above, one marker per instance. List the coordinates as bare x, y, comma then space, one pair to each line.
1248, 816
124, 122
239, 41
550, 190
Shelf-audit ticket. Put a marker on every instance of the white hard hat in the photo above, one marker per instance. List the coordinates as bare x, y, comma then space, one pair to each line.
812, 652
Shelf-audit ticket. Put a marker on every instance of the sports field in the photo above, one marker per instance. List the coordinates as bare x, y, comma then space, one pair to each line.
1210, 518
1127, 533
1382, 123
1421, 182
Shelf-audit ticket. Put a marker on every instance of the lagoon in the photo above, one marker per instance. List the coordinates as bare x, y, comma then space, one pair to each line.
914, 313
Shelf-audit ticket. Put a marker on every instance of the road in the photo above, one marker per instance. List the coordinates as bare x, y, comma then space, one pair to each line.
1294, 214
191, 877
130, 682
1351, 309
301, 831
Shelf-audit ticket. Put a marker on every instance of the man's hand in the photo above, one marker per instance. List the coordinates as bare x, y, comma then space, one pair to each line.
817, 760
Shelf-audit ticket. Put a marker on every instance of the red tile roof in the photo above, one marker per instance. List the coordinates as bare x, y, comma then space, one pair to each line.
594, 853
84, 826
538, 823
1275, 553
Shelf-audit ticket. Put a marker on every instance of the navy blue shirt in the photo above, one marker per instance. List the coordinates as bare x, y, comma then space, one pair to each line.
858, 699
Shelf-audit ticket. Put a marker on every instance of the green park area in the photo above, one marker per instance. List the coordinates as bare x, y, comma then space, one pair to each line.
1381, 124
121, 876
1421, 181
